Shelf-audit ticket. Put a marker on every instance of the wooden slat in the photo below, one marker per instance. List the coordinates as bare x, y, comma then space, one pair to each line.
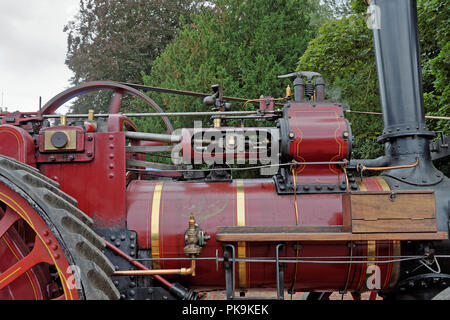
405, 205
390, 225
279, 229
338, 236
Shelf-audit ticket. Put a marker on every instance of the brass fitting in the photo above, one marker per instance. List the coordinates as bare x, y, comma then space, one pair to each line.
194, 238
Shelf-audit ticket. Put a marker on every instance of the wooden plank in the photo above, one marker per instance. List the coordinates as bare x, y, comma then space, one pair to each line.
343, 236
387, 205
392, 225
279, 229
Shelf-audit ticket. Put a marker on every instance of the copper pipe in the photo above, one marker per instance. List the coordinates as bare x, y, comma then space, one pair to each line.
137, 264
182, 271
364, 168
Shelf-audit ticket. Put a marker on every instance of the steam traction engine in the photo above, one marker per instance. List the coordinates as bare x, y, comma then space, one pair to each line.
86, 214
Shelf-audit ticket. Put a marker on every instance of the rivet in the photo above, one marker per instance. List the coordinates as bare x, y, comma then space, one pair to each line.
122, 237
116, 283
132, 293
111, 156
111, 175
113, 238
90, 138
45, 233
56, 256
132, 237
111, 146
111, 165
117, 243
132, 284
150, 291
132, 246
111, 137
52, 158
318, 187
306, 188
55, 247
89, 154
48, 241
132, 253
116, 268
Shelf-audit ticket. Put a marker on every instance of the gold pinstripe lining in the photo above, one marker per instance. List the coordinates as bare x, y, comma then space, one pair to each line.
241, 249
155, 215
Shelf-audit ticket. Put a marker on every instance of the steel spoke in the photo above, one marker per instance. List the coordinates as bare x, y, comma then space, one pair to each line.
8, 219
37, 255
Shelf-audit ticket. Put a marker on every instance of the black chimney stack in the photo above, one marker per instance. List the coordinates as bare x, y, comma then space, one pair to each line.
405, 135
398, 62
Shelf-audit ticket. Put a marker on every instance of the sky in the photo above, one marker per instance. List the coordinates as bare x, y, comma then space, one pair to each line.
33, 49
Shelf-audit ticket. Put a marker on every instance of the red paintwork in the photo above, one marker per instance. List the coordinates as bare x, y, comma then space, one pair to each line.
98, 186
17, 143
318, 137
214, 204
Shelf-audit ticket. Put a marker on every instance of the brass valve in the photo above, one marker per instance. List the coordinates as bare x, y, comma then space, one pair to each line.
194, 238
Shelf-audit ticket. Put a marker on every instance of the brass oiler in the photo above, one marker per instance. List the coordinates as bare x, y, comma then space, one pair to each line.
194, 238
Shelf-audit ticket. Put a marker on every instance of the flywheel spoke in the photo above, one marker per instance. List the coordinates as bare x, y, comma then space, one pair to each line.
37, 255
9, 218
116, 101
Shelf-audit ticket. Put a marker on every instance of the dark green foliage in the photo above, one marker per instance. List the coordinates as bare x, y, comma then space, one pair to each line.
242, 45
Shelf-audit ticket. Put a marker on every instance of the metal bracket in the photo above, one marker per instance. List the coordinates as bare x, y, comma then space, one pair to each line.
284, 186
230, 278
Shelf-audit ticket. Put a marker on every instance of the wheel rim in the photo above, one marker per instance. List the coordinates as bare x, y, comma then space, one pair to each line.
33, 263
